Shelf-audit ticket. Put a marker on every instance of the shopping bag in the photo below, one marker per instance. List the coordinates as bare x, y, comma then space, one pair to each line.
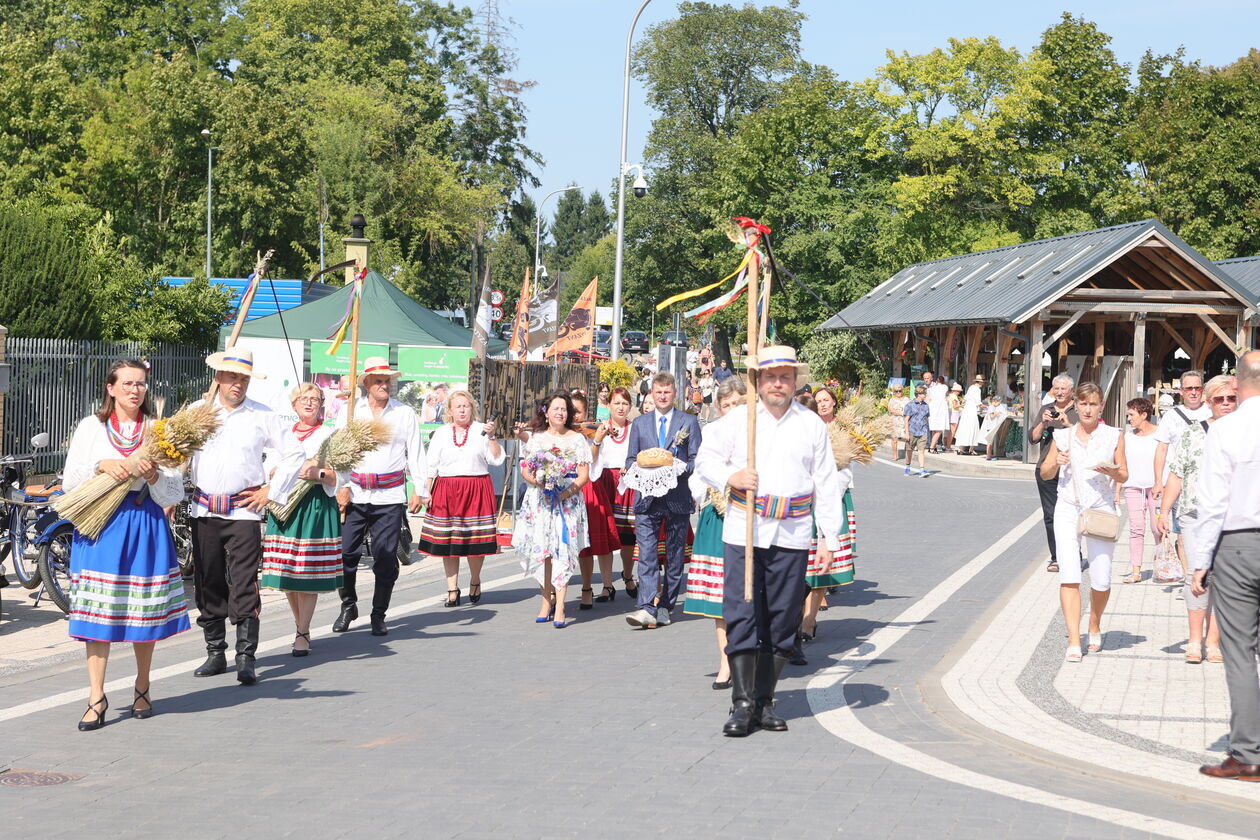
1167, 564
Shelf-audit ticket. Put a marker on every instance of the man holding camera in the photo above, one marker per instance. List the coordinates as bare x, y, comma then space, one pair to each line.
1058, 413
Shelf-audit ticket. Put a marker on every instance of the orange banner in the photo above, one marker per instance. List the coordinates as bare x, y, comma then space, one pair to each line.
578, 330
520, 324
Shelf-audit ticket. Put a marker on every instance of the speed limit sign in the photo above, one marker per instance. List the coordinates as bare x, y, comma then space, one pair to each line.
496, 313
496, 298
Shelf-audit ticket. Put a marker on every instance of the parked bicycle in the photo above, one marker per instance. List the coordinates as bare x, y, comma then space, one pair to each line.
27, 523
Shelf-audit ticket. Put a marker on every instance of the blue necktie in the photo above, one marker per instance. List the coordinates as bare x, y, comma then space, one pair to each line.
660, 435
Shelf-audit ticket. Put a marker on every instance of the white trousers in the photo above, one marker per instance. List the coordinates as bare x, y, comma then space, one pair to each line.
1068, 544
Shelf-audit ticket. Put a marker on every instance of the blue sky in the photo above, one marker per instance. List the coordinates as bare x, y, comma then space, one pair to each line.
575, 49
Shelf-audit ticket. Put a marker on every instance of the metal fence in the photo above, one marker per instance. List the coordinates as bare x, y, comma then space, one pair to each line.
55, 383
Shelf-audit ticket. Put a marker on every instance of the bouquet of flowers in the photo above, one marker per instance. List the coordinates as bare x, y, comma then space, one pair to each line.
169, 442
342, 451
551, 468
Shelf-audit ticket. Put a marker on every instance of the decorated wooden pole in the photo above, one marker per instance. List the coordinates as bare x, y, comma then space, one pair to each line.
260, 269
754, 348
354, 344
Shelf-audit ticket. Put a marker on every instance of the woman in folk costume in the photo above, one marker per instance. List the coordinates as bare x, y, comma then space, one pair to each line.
968, 440
460, 519
302, 556
600, 522
613, 443
703, 595
125, 584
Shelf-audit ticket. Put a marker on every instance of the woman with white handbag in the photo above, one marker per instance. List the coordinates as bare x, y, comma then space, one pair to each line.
1088, 459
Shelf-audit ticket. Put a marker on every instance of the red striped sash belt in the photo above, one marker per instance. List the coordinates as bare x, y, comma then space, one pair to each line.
222, 504
776, 507
379, 481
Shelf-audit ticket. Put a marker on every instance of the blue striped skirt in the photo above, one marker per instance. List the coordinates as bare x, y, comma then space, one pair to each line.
125, 584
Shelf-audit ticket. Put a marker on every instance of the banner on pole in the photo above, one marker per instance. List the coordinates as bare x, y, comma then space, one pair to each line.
578, 330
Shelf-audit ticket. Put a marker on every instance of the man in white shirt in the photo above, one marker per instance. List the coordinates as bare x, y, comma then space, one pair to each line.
230, 495
376, 495
795, 476
1225, 539
938, 402
1175, 421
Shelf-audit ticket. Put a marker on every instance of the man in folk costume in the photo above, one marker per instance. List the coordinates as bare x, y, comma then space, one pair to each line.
376, 496
794, 477
675, 430
230, 496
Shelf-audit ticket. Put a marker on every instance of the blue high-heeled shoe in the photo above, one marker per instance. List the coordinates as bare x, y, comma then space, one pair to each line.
560, 625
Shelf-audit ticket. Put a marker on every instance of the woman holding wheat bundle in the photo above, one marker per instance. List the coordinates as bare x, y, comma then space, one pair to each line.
124, 583
302, 554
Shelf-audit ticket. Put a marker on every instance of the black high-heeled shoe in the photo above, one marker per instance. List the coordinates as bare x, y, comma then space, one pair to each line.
307, 651
474, 598
449, 602
89, 725
582, 606
141, 714
609, 594
632, 588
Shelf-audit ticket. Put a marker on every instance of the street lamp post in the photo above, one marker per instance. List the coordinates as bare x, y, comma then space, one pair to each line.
621, 187
205, 132
538, 229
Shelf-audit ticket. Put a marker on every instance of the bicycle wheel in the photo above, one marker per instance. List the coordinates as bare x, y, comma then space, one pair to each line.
54, 566
21, 522
181, 534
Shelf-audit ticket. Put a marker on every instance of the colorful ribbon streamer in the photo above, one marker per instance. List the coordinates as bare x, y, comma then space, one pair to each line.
340, 329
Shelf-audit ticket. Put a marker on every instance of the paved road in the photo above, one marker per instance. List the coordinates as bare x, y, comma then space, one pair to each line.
475, 722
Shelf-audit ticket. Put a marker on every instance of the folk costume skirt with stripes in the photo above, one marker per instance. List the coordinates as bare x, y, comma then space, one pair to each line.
704, 575
660, 545
460, 519
622, 504
840, 571
600, 522
125, 584
304, 555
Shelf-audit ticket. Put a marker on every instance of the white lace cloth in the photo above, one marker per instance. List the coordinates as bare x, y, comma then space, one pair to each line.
651, 481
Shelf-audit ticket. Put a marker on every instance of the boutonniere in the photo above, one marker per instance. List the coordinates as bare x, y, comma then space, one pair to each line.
678, 439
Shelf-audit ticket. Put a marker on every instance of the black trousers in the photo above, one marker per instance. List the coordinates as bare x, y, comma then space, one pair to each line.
226, 557
384, 523
647, 530
1049, 492
770, 621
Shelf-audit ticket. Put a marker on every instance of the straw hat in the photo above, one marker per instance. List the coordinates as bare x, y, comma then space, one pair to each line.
776, 355
377, 366
236, 360
955, 387
979, 379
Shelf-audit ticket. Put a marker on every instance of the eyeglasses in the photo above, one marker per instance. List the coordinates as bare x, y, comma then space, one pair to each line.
1225, 398
312, 400
1192, 387
133, 386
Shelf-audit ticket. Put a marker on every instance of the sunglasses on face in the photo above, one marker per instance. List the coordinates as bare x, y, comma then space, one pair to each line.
1192, 387
1225, 398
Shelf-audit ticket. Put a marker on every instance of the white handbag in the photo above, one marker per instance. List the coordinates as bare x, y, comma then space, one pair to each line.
1099, 524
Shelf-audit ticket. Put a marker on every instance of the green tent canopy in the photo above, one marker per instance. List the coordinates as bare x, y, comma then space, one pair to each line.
386, 316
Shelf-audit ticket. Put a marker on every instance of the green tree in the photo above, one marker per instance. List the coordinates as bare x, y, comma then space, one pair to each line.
43, 272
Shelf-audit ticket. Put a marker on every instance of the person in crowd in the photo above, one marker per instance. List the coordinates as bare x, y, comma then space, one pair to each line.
967, 437
551, 528
125, 584
704, 575
601, 409
955, 413
302, 556
707, 386
376, 498
1171, 425
723, 372
917, 428
680, 433
991, 434
601, 525
1224, 541
1139, 447
1088, 462
820, 579
794, 476
231, 491
1181, 493
460, 518
614, 441
938, 402
1056, 415
694, 395
896, 405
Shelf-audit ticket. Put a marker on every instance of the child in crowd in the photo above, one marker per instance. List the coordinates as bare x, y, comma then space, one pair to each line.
916, 412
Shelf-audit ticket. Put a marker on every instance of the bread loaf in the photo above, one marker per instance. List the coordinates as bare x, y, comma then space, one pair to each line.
654, 457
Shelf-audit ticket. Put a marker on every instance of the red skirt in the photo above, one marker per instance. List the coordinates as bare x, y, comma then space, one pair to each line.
460, 519
601, 527
623, 506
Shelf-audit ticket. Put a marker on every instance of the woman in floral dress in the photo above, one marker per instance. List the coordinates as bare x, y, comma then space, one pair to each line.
551, 528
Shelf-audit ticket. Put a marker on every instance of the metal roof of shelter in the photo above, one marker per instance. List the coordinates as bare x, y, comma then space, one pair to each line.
1011, 284
1246, 271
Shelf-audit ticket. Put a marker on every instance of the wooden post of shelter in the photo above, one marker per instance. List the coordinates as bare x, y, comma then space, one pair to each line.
1139, 356
1032, 380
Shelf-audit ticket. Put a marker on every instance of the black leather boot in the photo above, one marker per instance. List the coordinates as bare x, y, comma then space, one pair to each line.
216, 643
349, 601
743, 719
769, 667
380, 603
246, 647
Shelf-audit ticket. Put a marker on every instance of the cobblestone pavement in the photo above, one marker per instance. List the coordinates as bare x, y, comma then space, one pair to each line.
476, 722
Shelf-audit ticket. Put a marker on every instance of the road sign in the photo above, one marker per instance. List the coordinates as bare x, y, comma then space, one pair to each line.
496, 313
496, 297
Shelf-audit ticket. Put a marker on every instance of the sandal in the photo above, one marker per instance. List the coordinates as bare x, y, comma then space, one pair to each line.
1073, 654
1095, 642
452, 602
609, 594
582, 604
632, 588
89, 725
474, 597
1214, 655
147, 711
306, 651
1135, 577
1052, 566
1194, 656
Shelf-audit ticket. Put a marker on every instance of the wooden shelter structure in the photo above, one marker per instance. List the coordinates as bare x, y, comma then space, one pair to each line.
1110, 306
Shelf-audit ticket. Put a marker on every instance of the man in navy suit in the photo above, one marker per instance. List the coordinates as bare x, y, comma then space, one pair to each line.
660, 427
